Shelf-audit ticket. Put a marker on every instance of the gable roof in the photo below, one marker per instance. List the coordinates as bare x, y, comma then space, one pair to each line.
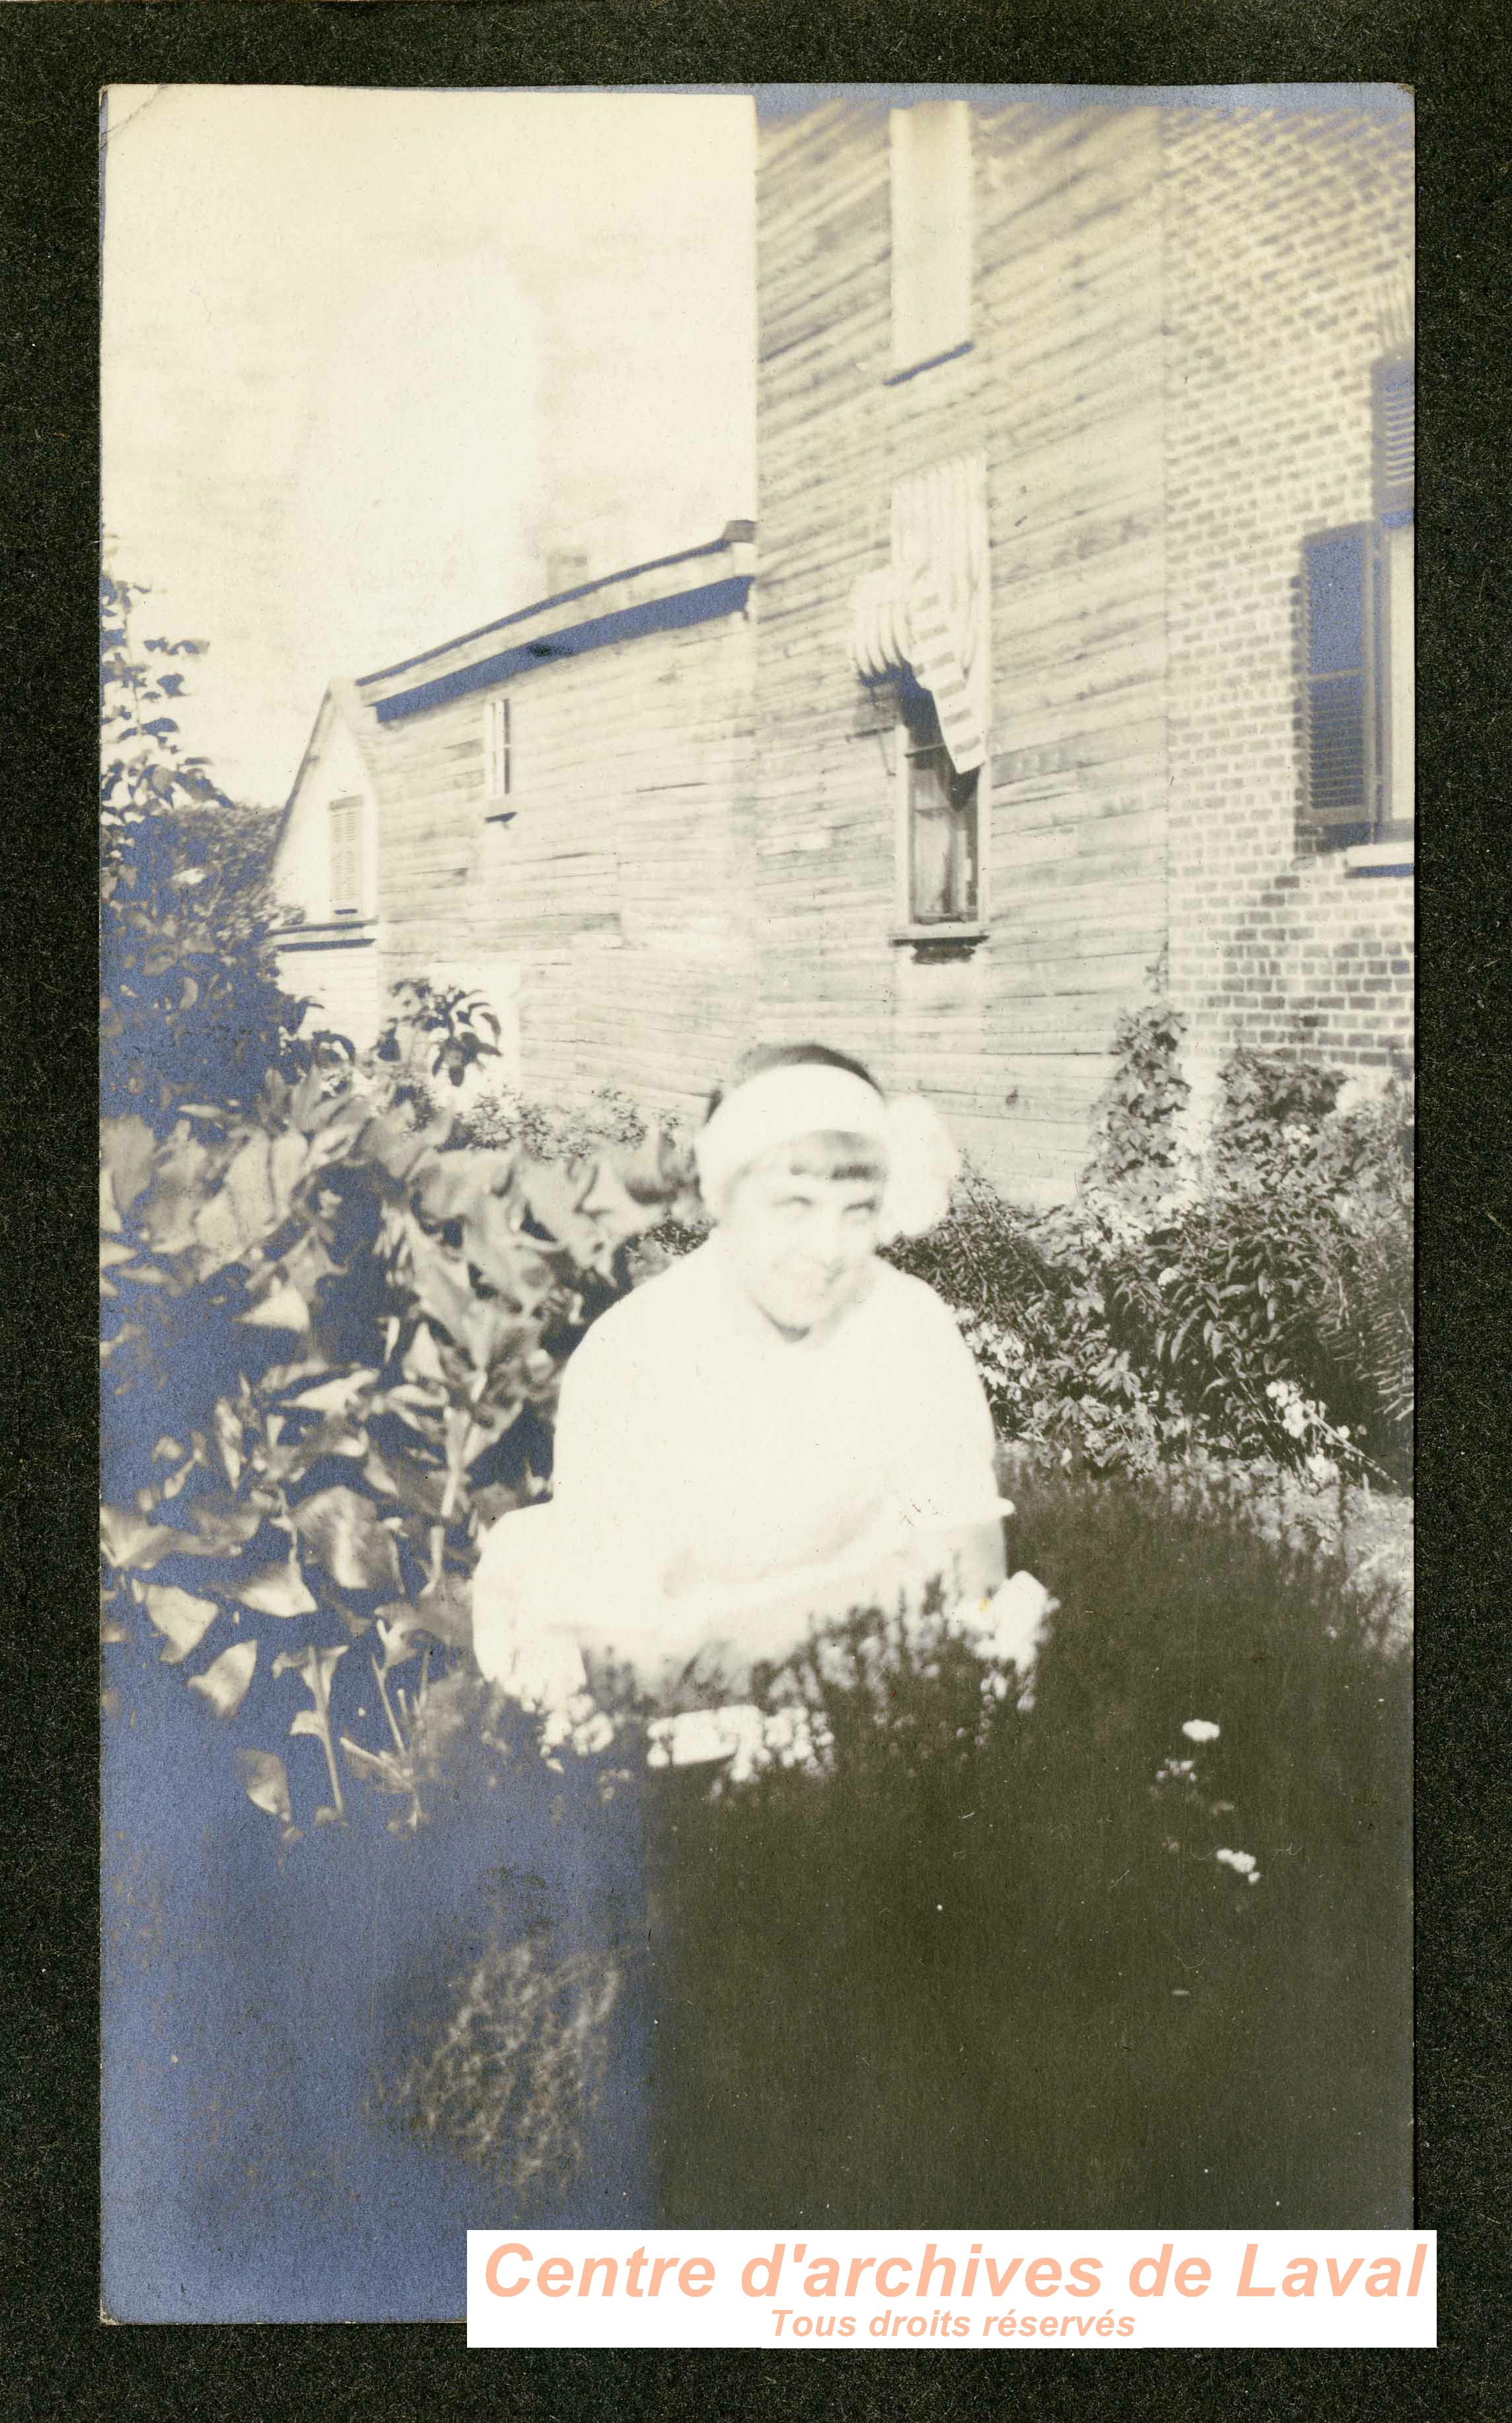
342, 699
670, 593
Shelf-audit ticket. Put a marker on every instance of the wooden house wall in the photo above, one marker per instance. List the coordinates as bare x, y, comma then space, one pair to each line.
619, 890
1062, 390
334, 768
334, 965
343, 984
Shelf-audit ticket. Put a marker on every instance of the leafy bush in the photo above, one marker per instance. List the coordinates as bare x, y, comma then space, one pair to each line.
333, 1322
1290, 1275
191, 1007
1253, 1302
608, 1120
1137, 1954
331, 1346
1137, 1138
435, 1032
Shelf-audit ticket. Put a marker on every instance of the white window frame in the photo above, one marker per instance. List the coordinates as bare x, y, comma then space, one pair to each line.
498, 746
930, 164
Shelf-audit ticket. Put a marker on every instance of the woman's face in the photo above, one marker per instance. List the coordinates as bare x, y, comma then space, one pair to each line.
799, 1244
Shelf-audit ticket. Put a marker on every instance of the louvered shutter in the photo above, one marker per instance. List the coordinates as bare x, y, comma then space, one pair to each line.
1395, 435
346, 869
497, 748
1338, 683
931, 178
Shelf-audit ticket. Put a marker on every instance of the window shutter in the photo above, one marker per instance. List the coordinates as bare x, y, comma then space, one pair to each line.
1394, 398
1337, 689
497, 748
346, 873
930, 146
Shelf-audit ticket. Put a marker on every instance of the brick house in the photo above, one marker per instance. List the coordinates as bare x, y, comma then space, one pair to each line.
1079, 660
1084, 640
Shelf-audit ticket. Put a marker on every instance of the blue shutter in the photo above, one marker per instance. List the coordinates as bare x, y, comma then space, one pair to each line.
1395, 415
1338, 706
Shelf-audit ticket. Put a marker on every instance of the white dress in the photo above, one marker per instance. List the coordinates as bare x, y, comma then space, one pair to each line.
698, 1449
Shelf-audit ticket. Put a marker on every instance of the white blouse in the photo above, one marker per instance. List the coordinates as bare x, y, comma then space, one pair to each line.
697, 1448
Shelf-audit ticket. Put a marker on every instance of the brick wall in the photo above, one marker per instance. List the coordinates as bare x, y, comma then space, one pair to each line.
1278, 233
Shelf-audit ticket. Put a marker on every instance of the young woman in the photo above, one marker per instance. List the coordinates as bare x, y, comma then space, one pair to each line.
777, 1429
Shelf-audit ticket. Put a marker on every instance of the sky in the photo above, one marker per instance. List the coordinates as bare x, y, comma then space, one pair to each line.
368, 356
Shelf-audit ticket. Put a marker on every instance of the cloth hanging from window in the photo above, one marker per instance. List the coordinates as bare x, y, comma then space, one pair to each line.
927, 612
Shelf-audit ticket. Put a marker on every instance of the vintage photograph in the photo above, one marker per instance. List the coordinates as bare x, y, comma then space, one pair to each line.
757, 922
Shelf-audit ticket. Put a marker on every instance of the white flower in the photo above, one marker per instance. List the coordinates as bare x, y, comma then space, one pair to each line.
750, 1740
565, 1719
1197, 1729
793, 1738
1009, 1629
1242, 1863
592, 1736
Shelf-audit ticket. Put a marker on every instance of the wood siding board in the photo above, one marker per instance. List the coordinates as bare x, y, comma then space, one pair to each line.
1066, 331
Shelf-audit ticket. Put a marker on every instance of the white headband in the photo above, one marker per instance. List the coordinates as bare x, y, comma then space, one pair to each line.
809, 1098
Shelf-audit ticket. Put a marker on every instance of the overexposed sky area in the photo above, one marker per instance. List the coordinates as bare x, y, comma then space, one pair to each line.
366, 355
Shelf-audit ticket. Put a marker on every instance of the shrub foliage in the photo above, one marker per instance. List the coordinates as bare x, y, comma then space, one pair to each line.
191, 1007
331, 1344
1137, 1954
334, 1321
1249, 1301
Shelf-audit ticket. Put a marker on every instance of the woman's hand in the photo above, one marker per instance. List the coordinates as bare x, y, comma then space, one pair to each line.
730, 1630
1009, 1629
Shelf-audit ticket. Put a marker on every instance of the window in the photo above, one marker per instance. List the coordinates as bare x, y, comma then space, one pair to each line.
1357, 642
1337, 582
1395, 419
941, 855
931, 167
497, 767
346, 858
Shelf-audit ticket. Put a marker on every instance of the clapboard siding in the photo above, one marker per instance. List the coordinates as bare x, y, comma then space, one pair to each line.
1063, 392
618, 893
1169, 378
341, 984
